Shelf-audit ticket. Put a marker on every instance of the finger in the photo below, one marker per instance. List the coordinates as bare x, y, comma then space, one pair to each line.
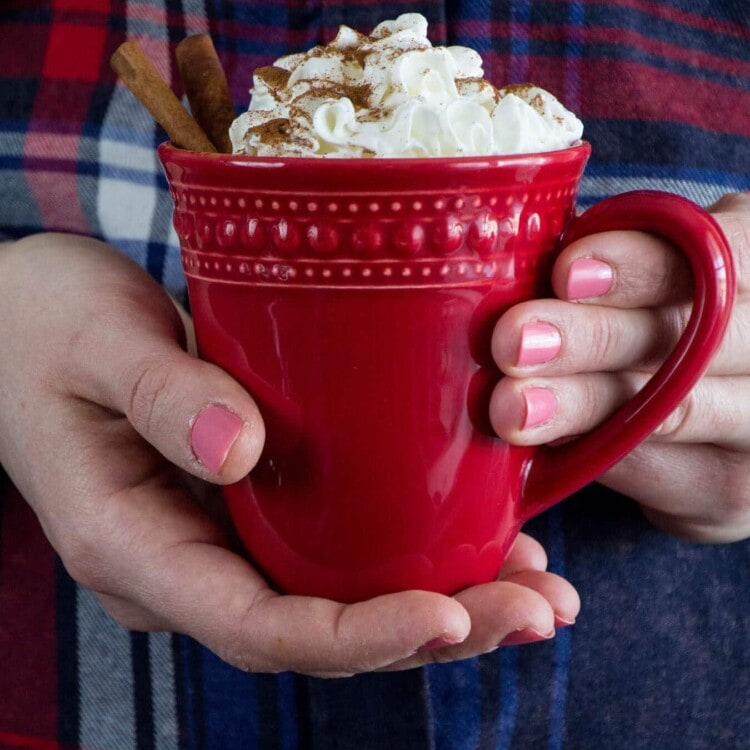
204, 590
121, 346
732, 203
616, 270
550, 337
732, 213
223, 603
132, 616
152, 547
622, 269
525, 554
561, 595
192, 412
698, 492
635, 269
716, 411
497, 610
533, 411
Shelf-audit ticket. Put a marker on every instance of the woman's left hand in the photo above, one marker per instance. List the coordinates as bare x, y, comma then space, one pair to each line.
624, 298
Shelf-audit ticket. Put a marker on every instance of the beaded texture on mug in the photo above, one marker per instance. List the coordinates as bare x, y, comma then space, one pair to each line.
404, 239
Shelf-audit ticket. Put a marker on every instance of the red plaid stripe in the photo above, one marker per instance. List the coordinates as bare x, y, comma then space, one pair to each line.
28, 645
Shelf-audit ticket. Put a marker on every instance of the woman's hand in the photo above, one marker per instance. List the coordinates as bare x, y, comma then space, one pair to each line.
106, 421
570, 365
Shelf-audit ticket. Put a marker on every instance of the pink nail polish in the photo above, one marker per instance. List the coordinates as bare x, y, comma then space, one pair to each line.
213, 434
540, 342
541, 406
525, 635
588, 277
563, 623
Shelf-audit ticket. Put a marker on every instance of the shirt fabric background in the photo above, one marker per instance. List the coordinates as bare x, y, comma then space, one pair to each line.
660, 655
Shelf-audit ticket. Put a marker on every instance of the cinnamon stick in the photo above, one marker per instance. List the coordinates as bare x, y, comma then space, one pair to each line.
206, 88
141, 77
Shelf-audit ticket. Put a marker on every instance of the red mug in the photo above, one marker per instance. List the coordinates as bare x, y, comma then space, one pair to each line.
355, 300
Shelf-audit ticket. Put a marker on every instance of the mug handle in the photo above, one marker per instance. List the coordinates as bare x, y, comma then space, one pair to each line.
552, 473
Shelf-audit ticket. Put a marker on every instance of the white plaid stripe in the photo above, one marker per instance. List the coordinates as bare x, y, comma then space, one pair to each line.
107, 708
126, 197
703, 193
166, 729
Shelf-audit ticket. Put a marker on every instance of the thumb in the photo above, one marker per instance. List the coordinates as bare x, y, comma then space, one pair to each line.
195, 414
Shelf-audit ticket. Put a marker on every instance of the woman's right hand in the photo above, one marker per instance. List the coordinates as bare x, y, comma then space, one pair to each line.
105, 422
623, 300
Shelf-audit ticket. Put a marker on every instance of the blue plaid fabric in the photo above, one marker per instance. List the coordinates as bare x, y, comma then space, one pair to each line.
660, 656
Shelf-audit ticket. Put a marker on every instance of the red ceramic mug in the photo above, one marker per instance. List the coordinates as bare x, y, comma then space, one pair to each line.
355, 300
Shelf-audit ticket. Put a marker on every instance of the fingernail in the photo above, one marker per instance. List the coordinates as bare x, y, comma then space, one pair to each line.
525, 635
541, 406
588, 277
540, 342
213, 434
561, 622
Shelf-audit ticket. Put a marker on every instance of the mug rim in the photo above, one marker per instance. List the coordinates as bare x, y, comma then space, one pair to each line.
169, 152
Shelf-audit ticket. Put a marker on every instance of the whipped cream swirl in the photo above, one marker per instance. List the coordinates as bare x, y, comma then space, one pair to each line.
392, 94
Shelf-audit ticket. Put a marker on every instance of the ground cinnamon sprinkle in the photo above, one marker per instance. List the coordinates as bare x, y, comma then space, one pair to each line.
275, 78
273, 132
537, 103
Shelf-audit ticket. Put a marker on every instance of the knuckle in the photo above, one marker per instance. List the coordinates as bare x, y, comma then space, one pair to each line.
703, 415
148, 391
244, 646
657, 276
83, 561
353, 656
668, 325
589, 391
601, 341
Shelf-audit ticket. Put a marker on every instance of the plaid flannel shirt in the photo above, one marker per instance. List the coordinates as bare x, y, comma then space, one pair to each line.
660, 657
